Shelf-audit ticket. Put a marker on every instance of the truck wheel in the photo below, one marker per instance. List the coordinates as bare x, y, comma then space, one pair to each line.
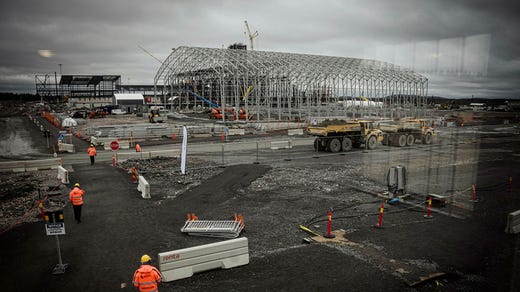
319, 144
334, 145
386, 140
402, 141
346, 144
410, 139
427, 139
371, 143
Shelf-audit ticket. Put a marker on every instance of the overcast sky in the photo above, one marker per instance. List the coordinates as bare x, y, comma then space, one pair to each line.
465, 48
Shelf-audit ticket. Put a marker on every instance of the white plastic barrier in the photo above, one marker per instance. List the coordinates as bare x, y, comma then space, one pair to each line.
513, 222
144, 188
275, 145
295, 132
236, 132
63, 147
183, 263
63, 175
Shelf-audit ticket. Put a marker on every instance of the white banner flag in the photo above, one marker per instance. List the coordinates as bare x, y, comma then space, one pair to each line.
184, 149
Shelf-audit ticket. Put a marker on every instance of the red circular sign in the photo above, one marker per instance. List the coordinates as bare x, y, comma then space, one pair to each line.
114, 145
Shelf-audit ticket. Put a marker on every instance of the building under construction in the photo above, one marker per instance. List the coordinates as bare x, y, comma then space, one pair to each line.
92, 90
282, 86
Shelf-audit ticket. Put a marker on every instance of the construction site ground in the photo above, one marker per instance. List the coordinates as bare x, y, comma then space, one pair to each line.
462, 248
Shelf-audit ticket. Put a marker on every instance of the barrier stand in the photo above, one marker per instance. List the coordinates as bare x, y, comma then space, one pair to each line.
256, 162
288, 151
134, 174
41, 209
240, 218
429, 209
380, 221
222, 154
329, 225
473, 194
510, 184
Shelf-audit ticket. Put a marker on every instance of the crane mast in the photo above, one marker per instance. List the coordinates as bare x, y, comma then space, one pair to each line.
250, 35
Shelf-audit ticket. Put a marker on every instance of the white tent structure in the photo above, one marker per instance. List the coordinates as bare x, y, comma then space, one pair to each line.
69, 122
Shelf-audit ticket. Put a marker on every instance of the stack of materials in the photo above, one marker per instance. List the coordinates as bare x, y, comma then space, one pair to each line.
214, 228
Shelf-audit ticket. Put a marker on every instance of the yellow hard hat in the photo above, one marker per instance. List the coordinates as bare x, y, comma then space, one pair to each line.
145, 258
76, 184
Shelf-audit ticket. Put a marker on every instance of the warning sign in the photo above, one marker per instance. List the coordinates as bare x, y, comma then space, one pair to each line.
54, 223
55, 228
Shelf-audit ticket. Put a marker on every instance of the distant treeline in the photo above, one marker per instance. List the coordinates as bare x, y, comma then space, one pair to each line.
467, 101
22, 97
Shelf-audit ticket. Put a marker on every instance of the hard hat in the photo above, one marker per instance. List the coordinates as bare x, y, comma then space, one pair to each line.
91, 145
76, 184
145, 258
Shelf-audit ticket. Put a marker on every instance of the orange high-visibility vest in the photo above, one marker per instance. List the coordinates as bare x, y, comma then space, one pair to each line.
137, 148
91, 151
146, 278
76, 196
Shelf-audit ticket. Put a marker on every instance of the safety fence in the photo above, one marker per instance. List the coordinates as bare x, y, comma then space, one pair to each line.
153, 131
122, 156
183, 263
214, 228
30, 165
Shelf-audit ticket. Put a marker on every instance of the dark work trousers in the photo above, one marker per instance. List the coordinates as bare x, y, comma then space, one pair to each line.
91, 160
77, 212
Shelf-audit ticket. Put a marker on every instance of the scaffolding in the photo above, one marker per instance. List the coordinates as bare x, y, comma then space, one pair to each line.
54, 86
276, 86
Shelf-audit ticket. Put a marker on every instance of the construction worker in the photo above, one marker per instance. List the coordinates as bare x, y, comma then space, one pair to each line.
147, 277
92, 153
76, 198
137, 148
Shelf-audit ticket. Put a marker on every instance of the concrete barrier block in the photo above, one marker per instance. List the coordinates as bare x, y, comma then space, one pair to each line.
275, 145
295, 132
183, 263
236, 132
144, 188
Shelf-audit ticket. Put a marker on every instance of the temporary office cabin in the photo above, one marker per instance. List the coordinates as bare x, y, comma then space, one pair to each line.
129, 102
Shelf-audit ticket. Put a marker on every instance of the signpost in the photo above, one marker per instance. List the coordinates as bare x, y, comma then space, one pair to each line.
55, 225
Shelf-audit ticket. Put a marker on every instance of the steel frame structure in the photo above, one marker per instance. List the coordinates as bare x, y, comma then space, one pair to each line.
283, 86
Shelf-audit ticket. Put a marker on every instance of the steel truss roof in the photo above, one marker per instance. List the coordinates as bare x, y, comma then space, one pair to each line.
286, 82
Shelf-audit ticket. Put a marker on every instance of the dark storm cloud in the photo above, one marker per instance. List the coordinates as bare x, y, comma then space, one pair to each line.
102, 37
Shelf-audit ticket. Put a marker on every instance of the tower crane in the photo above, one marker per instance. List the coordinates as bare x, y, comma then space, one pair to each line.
251, 35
